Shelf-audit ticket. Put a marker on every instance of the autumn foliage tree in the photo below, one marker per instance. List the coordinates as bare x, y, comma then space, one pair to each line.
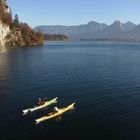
5, 17
30, 36
23, 33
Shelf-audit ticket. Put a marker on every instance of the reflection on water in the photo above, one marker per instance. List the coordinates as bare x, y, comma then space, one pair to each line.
4, 75
4, 64
3, 49
7, 49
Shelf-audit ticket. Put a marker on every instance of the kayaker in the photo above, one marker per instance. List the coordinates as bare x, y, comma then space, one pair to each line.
55, 109
41, 101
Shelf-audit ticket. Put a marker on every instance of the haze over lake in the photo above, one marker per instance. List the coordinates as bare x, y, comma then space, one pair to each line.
102, 77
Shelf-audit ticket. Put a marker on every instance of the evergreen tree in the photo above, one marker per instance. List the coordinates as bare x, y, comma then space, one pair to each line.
16, 20
11, 13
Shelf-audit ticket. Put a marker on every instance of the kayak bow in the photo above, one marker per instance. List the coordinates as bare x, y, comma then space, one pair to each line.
25, 111
55, 114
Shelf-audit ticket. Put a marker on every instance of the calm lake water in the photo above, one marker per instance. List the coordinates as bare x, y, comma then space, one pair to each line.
102, 78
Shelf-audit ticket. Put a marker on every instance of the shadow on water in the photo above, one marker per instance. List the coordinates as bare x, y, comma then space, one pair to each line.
6, 49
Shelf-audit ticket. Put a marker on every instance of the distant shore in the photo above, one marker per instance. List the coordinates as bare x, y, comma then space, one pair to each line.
111, 40
55, 37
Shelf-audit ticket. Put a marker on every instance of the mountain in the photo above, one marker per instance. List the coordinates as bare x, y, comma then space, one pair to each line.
71, 30
14, 33
128, 26
96, 31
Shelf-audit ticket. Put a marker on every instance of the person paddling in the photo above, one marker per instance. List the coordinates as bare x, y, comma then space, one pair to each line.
41, 101
55, 109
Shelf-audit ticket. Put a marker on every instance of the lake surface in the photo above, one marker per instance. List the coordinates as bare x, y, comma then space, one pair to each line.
103, 79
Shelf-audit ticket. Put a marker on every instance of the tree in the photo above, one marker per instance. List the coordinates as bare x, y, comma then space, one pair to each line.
16, 20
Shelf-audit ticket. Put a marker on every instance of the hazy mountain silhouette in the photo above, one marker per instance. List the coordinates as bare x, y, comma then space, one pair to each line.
96, 31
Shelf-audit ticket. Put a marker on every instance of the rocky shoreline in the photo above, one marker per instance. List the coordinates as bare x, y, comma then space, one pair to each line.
14, 33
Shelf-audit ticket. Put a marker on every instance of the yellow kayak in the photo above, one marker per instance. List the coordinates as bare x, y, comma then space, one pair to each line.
47, 103
55, 114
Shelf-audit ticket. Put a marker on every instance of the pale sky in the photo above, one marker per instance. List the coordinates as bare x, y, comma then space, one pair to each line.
74, 12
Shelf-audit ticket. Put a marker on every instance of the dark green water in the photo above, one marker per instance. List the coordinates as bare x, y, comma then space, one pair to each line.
103, 79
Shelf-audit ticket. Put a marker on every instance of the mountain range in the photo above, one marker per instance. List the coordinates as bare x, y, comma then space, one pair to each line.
95, 31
